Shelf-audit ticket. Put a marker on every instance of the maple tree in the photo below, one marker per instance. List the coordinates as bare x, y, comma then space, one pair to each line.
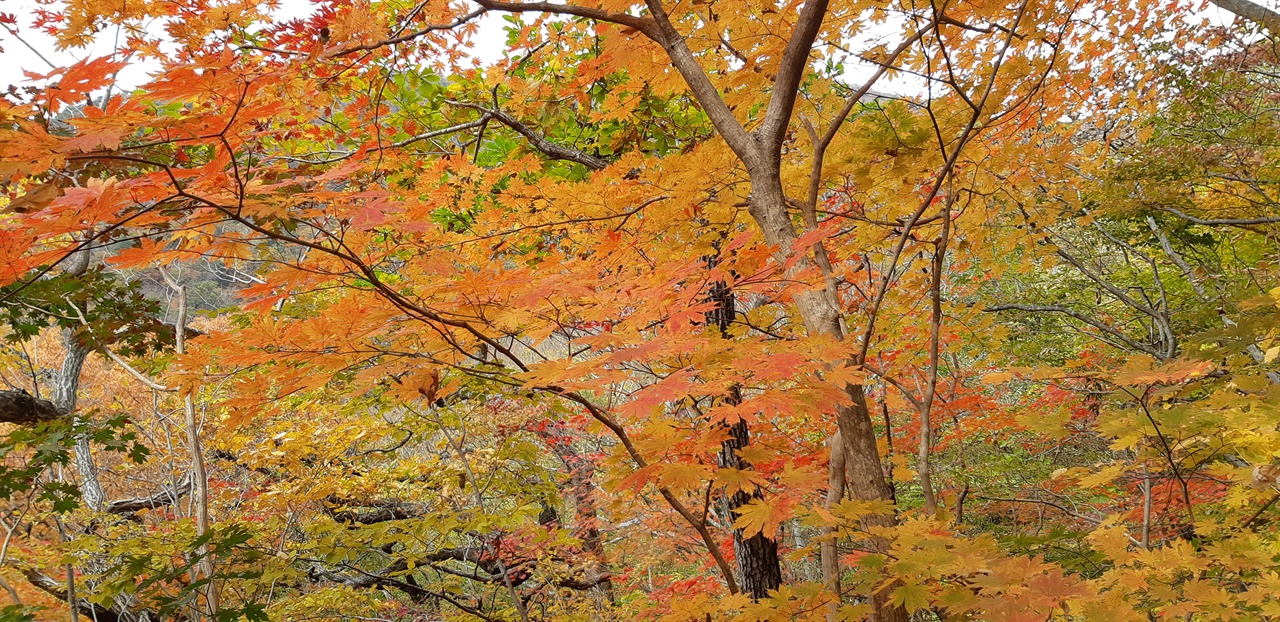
659, 316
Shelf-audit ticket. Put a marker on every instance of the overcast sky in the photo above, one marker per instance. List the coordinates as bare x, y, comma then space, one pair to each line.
18, 56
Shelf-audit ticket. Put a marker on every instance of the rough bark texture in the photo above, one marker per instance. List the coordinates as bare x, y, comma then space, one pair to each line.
18, 406
759, 568
66, 388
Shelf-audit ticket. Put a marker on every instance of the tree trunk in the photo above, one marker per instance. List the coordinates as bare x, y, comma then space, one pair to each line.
821, 313
66, 388
759, 568
199, 475
830, 554
65, 395
867, 483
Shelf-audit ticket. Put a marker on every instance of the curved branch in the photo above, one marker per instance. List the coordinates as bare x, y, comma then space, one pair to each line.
539, 142
1106, 328
645, 25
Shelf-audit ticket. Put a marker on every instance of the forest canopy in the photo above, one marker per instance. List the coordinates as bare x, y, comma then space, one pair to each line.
678, 310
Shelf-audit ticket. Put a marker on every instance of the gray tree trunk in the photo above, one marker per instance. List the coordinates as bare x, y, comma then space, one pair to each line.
1252, 11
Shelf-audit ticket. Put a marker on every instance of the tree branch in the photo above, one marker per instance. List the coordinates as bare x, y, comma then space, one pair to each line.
1253, 12
786, 86
57, 589
704, 90
1231, 222
18, 406
1108, 329
155, 500
539, 142
642, 24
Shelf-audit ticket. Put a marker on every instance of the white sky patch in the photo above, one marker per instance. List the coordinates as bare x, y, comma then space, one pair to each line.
30, 48
31, 52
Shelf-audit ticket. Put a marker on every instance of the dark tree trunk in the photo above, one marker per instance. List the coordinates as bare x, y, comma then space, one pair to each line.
759, 569
18, 406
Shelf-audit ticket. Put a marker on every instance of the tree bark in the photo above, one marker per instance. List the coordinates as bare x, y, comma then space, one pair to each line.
759, 567
199, 476
820, 312
66, 389
1253, 12
65, 395
829, 553
18, 406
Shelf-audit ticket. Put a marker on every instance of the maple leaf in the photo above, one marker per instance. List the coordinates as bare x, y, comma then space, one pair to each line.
735, 480
35, 198
763, 516
911, 596
81, 79
93, 136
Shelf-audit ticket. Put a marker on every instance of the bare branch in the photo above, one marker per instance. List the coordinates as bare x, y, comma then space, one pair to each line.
149, 383
1060, 508
154, 500
396, 145
642, 24
820, 145
55, 588
1230, 222
1094, 322
1176, 258
539, 142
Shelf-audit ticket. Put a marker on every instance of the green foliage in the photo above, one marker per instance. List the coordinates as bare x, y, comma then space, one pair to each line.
32, 450
105, 310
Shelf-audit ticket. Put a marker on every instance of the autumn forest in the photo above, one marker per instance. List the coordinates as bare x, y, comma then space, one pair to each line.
670, 310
